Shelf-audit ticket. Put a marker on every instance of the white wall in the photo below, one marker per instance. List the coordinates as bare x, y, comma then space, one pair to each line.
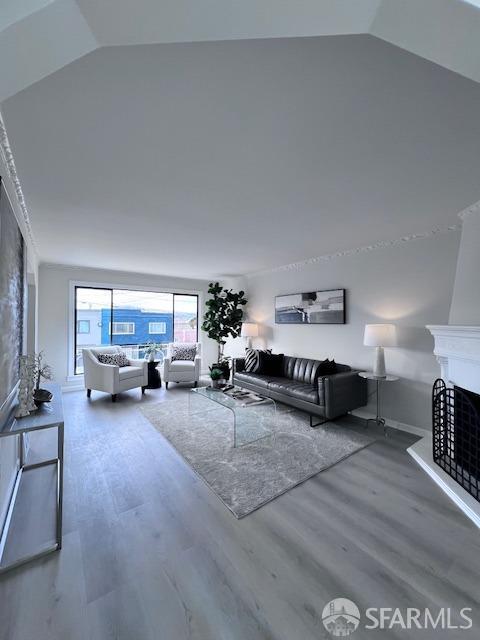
465, 309
54, 318
409, 284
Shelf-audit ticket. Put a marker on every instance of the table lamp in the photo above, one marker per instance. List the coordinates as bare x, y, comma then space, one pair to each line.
379, 336
249, 331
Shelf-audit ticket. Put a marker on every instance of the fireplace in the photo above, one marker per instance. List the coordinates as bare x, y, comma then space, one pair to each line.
456, 434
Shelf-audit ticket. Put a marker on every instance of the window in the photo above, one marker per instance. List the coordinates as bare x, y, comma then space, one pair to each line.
131, 319
123, 328
83, 326
157, 327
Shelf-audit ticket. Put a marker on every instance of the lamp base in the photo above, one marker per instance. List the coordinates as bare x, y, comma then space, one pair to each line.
379, 363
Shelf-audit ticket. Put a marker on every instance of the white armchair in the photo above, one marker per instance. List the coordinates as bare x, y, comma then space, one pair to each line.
182, 370
110, 378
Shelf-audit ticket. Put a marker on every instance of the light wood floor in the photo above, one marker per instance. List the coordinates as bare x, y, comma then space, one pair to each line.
151, 553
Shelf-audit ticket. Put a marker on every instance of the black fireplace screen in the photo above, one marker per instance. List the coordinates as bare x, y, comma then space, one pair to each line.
456, 435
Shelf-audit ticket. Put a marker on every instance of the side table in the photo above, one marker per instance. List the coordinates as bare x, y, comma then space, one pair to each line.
154, 379
369, 376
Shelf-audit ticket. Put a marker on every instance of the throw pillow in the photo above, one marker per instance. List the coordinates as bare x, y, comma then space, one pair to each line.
183, 351
327, 367
252, 359
271, 364
117, 359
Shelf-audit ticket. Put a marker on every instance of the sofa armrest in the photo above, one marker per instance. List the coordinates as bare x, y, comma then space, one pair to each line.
141, 362
102, 377
198, 366
238, 365
342, 392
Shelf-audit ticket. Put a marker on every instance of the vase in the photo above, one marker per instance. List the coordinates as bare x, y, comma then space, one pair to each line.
23, 400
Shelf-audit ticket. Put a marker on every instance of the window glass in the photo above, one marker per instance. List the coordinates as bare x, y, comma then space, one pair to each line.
132, 319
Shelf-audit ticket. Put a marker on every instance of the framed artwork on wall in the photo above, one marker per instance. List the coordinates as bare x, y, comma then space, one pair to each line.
12, 303
313, 307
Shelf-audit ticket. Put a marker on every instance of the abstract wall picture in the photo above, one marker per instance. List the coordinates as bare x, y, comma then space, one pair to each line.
12, 291
314, 307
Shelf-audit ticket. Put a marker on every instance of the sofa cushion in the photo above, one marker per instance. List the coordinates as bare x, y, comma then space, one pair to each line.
294, 389
118, 359
327, 367
182, 365
183, 351
252, 378
125, 373
271, 364
301, 369
252, 359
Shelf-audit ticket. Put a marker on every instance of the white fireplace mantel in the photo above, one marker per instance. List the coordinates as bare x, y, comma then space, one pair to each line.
457, 349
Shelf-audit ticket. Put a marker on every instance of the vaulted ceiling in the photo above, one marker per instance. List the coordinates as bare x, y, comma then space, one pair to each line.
37, 37
185, 153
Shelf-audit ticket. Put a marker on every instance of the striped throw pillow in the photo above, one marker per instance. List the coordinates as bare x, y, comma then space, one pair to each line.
252, 359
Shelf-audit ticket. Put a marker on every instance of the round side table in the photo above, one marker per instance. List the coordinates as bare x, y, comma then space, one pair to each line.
154, 379
369, 376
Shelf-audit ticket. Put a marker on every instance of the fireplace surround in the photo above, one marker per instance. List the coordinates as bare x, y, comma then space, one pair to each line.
457, 349
456, 434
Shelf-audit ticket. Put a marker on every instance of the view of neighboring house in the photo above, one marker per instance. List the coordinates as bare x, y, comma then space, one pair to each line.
140, 321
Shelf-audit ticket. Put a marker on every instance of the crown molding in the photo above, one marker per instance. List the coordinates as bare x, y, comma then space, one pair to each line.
382, 244
466, 213
7, 155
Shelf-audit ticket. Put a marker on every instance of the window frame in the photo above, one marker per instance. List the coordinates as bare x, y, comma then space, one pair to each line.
112, 332
157, 333
83, 333
72, 325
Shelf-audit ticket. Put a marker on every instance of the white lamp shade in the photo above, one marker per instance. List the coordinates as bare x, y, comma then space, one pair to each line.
249, 330
380, 335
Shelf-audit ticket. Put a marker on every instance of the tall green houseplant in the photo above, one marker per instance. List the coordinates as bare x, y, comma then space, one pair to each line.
223, 318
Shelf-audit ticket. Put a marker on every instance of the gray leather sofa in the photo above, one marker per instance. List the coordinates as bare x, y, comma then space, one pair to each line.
303, 386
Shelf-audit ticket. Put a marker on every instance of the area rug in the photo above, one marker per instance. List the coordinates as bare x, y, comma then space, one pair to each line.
247, 477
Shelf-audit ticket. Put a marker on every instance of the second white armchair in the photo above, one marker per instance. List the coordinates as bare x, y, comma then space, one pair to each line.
183, 363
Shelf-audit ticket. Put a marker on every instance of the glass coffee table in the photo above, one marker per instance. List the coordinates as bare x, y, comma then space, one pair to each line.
251, 422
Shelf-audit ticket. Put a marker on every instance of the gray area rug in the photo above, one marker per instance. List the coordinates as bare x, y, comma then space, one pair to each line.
247, 477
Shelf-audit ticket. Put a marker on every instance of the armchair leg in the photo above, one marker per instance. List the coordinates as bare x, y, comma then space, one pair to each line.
114, 397
166, 385
143, 390
89, 393
195, 384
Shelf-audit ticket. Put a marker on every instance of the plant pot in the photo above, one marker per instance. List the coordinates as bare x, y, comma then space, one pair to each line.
215, 384
224, 368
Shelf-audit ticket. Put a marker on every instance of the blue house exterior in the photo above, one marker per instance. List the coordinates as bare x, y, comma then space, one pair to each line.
133, 326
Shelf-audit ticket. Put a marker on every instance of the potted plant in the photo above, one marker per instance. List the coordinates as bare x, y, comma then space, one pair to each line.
223, 319
44, 371
151, 348
216, 375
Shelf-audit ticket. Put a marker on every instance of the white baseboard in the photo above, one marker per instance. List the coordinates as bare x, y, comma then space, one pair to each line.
393, 424
72, 386
422, 453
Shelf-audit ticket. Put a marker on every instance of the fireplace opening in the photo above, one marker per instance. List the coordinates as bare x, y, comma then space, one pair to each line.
456, 434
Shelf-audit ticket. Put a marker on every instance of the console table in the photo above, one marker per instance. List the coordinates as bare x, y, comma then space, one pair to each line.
38, 486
